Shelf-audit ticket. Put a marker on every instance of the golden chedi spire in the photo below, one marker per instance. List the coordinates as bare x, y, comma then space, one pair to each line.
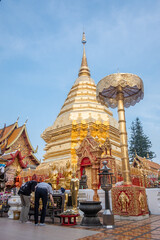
81, 106
84, 69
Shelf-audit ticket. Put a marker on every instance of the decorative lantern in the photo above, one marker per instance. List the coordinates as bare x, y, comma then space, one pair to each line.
106, 180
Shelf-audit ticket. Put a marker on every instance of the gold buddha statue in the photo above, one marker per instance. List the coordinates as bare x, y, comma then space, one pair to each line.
123, 201
74, 188
65, 202
53, 174
142, 201
61, 179
68, 174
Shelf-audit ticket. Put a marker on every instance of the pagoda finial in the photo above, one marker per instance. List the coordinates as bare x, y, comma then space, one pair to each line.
84, 69
84, 38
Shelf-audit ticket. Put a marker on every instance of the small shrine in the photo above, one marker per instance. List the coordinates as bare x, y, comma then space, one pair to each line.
90, 157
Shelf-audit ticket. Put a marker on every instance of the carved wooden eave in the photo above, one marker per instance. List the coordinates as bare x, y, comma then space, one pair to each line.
12, 156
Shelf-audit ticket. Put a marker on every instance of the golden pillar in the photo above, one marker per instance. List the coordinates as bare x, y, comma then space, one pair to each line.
123, 136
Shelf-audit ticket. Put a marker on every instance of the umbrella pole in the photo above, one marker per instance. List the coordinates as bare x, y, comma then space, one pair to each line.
123, 137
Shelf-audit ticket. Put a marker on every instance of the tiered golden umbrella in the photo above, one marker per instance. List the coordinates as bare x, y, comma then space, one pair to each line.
121, 90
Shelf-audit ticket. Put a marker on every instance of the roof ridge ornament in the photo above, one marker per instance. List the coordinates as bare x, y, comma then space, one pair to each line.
17, 119
26, 121
1, 134
84, 69
35, 151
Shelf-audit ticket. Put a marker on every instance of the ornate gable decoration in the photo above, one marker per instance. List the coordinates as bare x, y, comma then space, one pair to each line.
12, 156
89, 148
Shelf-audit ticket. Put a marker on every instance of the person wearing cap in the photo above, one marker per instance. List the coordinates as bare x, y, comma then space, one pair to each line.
25, 194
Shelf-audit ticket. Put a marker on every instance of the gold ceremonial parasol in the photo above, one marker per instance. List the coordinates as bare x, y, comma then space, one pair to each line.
121, 90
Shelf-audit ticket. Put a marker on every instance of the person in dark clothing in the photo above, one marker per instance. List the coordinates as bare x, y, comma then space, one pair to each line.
25, 191
42, 191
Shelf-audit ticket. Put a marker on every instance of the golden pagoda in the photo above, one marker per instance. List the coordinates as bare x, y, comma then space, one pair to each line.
81, 111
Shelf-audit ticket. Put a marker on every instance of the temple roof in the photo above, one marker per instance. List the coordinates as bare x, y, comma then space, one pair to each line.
11, 134
8, 130
14, 136
146, 163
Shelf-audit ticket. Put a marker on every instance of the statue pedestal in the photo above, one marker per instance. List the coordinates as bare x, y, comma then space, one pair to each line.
15, 205
129, 202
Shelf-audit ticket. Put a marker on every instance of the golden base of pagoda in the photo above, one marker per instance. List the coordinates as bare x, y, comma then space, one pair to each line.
129, 200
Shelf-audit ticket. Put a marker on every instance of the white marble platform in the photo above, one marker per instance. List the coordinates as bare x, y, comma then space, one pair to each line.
153, 199
85, 195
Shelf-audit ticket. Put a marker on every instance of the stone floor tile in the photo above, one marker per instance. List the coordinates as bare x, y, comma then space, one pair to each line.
155, 236
121, 237
151, 236
131, 233
98, 236
140, 238
156, 232
126, 228
117, 231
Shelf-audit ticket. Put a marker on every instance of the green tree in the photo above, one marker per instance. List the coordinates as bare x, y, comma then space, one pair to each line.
139, 142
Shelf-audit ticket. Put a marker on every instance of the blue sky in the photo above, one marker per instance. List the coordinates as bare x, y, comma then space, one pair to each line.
41, 51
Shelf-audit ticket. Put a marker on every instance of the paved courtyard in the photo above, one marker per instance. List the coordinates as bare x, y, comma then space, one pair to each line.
124, 230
